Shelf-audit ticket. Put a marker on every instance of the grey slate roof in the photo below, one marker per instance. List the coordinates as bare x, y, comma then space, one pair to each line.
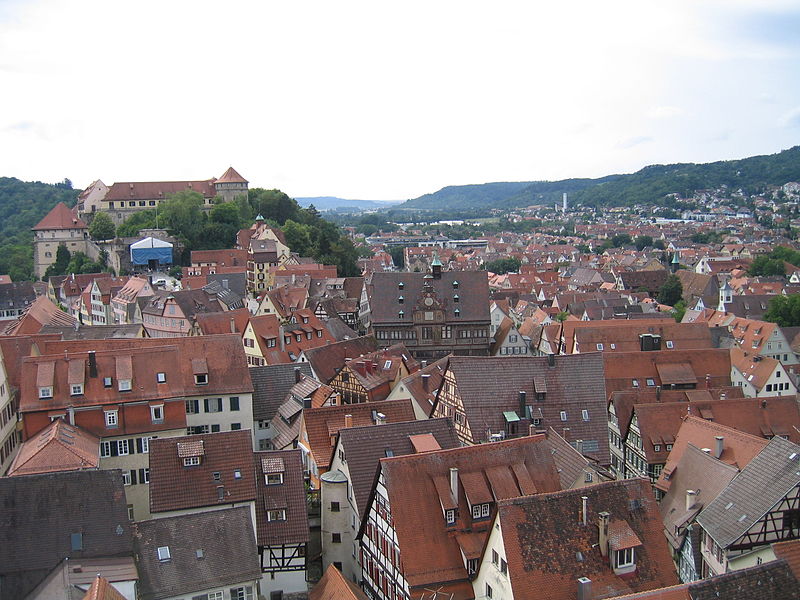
365, 446
16, 295
40, 513
489, 386
229, 553
770, 581
270, 386
753, 492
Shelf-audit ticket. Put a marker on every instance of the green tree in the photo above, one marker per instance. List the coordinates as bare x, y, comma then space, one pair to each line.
784, 310
621, 239
766, 266
643, 241
226, 213
143, 219
398, 256
659, 245
503, 265
562, 316
298, 237
102, 227
80, 263
679, 310
59, 267
671, 292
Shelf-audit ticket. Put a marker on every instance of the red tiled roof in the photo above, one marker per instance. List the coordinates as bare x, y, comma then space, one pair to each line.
289, 495
174, 486
333, 586
157, 190
41, 312
231, 176
60, 217
58, 447
229, 321
101, 589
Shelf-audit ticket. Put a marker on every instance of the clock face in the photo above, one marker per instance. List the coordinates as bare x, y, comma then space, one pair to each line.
428, 301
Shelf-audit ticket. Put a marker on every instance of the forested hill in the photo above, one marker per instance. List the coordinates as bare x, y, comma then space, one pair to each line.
647, 186
22, 205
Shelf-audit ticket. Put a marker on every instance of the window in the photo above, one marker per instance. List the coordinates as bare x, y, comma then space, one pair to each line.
144, 475
457, 312
485, 509
450, 516
271, 342
669, 447
274, 478
563, 415
585, 415
192, 407
657, 447
237, 474
130, 512
476, 511
161, 377
455, 285
472, 566
213, 405
241, 593
124, 385
400, 300
126, 478
503, 567
157, 413
623, 558
791, 522
191, 461
276, 515
163, 553
599, 346
201, 379
670, 345
635, 383
144, 445
336, 538
76, 389
111, 418
105, 449
216, 476
334, 507
46, 392
588, 477
651, 382
236, 426
123, 447
495, 558
401, 314
488, 591
107, 382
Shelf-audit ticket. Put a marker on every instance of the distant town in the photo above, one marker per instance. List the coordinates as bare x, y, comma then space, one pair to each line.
208, 392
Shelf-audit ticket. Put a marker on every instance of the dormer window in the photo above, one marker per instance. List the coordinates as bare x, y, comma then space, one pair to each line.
480, 511
276, 515
124, 385
201, 378
401, 315
400, 285
456, 298
457, 312
624, 558
455, 285
76, 389
273, 478
161, 377
191, 461
45, 392
400, 299
450, 516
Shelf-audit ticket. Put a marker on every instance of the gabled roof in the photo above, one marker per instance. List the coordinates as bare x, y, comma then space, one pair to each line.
322, 424
271, 383
423, 385
60, 217
548, 548
175, 486
418, 486
365, 446
327, 361
39, 313
289, 495
490, 386
101, 589
753, 492
206, 550
333, 586
58, 447
40, 514
229, 321
157, 190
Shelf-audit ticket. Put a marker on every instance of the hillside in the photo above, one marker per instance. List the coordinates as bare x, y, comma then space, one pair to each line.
334, 203
22, 205
647, 186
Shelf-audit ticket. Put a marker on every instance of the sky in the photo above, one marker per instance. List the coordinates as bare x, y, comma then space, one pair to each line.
390, 100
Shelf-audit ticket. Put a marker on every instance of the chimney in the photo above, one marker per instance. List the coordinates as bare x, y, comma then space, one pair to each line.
579, 446
297, 375
691, 499
551, 360
658, 393
719, 445
348, 421
361, 368
454, 483
602, 525
233, 325
584, 589
521, 411
92, 364
584, 510
425, 379
71, 415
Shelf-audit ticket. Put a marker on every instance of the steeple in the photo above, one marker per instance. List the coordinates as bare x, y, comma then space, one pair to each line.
436, 266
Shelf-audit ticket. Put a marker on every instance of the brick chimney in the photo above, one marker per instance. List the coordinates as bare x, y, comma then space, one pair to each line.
348, 421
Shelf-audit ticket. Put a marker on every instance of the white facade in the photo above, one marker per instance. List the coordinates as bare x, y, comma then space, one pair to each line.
223, 412
10, 438
492, 579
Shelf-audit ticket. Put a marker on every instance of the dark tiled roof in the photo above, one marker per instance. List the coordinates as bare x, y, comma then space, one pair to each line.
174, 486
326, 361
206, 549
490, 386
548, 548
753, 492
365, 446
472, 290
770, 581
270, 386
95, 332
41, 512
16, 295
290, 495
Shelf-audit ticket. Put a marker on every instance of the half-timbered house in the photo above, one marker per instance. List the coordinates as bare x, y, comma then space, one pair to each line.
373, 376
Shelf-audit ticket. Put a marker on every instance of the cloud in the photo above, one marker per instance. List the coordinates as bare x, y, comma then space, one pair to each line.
634, 141
19, 126
664, 112
791, 118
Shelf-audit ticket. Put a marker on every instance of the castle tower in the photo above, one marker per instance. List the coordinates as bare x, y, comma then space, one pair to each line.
60, 227
231, 185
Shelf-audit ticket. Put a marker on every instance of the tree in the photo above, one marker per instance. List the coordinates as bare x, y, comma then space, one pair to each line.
642, 242
671, 292
80, 263
562, 316
398, 256
621, 239
679, 310
784, 310
503, 265
102, 227
298, 237
764, 265
59, 267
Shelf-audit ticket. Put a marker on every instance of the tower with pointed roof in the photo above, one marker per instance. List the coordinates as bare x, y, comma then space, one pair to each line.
230, 185
60, 227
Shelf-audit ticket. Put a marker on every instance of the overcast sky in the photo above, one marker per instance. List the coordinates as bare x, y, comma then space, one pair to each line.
380, 100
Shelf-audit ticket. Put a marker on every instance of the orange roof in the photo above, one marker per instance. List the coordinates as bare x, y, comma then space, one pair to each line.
229, 321
790, 552
60, 217
39, 313
101, 589
333, 586
231, 176
58, 447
